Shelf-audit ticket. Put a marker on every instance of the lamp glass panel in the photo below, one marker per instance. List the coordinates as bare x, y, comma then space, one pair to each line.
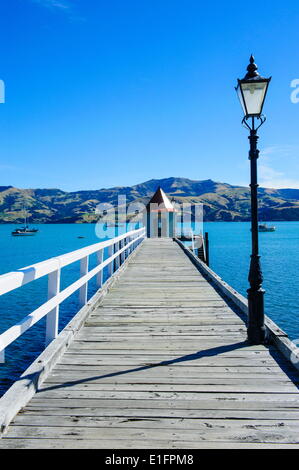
239, 93
254, 94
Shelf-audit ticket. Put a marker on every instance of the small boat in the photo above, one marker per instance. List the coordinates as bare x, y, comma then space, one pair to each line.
25, 230
266, 228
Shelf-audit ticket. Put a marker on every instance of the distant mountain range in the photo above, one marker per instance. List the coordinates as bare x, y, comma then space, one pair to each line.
221, 201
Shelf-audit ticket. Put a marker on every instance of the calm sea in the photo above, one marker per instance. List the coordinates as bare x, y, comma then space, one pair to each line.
229, 257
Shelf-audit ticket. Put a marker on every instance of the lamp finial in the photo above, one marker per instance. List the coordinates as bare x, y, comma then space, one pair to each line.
251, 69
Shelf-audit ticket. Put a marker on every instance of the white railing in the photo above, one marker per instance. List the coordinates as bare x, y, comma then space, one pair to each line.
119, 248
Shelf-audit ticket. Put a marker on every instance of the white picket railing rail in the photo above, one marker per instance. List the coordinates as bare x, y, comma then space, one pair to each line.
119, 248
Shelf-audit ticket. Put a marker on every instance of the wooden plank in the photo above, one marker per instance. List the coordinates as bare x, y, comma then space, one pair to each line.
218, 394
165, 355
212, 401
135, 432
105, 327
250, 386
75, 443
183, 375
132, 359
195, 424
150, 382
150, 363
136, 413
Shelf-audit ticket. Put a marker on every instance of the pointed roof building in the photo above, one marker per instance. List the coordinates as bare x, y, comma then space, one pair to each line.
160, 203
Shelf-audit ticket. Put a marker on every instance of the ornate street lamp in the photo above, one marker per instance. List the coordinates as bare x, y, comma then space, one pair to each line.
252, 90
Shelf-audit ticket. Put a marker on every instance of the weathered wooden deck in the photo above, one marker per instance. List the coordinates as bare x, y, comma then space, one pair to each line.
162, 362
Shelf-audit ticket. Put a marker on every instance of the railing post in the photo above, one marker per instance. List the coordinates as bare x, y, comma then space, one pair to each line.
83, 289
114, 261
135, 242
125, 249
122, 256
128, 249
117, 258
53, 316
111, 264
100, 259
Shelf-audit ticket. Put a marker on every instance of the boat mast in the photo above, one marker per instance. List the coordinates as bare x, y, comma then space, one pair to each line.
25, 216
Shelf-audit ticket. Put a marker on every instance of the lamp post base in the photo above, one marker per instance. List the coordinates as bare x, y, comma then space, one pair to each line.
256, 330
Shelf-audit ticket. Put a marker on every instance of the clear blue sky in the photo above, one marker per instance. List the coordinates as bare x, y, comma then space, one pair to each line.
106, 93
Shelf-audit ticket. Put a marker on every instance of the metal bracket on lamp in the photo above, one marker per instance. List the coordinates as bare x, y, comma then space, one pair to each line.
262, 119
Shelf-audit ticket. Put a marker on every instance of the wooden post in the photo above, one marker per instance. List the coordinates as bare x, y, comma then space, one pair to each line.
130, 247
111, 264
122, 256
83, 289
116, 260
100, 259
53, 316
126, 250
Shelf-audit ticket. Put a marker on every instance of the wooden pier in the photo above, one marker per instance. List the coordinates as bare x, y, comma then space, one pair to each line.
161, 361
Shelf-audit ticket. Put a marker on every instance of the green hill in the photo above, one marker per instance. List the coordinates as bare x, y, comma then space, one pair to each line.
221, 201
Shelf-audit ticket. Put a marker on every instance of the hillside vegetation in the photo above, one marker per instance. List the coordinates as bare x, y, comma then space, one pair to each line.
221, 201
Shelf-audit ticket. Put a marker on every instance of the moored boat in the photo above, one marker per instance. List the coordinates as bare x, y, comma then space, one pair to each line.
266, 228
25, 230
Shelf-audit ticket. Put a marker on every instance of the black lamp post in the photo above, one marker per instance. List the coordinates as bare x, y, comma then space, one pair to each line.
252, 91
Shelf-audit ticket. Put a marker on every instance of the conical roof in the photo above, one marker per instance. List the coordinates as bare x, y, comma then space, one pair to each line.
160, 202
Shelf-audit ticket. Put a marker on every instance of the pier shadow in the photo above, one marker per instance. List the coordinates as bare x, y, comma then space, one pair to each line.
286, 366
216, 351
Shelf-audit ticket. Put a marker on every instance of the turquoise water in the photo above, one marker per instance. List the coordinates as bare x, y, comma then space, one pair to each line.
18, 252
230, 246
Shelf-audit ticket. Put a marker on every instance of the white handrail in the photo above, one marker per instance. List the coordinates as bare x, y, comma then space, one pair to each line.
14, 279
52, 267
